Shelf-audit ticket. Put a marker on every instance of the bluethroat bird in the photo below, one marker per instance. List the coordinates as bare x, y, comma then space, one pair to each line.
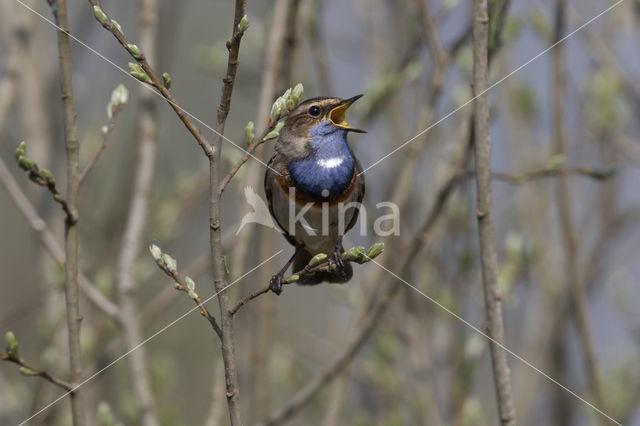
314, 187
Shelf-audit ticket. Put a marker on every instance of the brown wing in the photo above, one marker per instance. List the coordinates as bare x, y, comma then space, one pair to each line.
270, 176
360, 192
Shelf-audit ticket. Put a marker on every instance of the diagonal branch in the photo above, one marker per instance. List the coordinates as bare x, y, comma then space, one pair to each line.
28, 370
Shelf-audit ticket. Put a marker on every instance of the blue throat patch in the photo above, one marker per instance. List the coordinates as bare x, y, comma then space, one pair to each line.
328, 171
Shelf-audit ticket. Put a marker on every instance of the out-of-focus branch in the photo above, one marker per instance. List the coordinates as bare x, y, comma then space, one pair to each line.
152, 78
488, 255
135, 225
74, 318
576, 287
49, 241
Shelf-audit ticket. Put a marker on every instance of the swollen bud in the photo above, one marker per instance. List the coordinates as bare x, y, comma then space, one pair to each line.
155, 250
26, 371
170, 262
134, 50
115, 24
100, 15
355, 254
21, 150
293, 278
316, 260
12, 344
166, 79
243, 24
296, 93
48, 176
249, 130
191, 285
375, 250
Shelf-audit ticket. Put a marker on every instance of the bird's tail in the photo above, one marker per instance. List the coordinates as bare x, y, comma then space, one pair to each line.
303, 258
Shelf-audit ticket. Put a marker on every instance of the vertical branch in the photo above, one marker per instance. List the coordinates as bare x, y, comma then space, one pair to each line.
576, 286
495, 326
135, 225
231, 379
71, 230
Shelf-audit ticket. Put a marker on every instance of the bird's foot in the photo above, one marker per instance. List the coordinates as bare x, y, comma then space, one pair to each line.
275, 285
336, 260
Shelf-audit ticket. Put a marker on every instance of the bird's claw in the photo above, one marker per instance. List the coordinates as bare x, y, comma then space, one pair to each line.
275, 285
337, 260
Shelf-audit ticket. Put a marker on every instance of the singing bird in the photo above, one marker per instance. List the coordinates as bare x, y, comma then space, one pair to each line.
314, 186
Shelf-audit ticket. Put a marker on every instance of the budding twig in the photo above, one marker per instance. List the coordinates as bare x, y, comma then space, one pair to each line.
319, 263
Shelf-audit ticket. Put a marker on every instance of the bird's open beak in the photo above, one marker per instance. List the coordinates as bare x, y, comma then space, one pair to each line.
336, 115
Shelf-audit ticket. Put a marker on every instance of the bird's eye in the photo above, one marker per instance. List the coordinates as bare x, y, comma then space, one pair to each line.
314, 111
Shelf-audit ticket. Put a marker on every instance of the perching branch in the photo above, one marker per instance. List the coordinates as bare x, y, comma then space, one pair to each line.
12, 355
319, 263
488, 255
170, 267
74, 318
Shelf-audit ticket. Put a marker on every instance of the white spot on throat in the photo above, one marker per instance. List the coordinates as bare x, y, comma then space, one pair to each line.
330, 163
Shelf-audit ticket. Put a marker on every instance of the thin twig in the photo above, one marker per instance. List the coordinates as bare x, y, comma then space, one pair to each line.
245, 157
31, 371
105, 133
488, 256
576, 285
74, 318
156, 82
181, 285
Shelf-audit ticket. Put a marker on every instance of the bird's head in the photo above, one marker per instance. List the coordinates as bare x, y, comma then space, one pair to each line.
317, 116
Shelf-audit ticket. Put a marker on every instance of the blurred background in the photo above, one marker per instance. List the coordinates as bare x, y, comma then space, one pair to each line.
416, 364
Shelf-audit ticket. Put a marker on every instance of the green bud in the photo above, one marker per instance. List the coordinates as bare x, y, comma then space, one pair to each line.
191, 285
287, 94
35, 177
177, 285
296, 93
277, 108
166, 79
555, 162
243, 24
272, 134
228, 44
317, 259
100, 15
133, 67
26, 371
170, 262
278, 127
25, 163
249, 132
155, 250
21, 150
48, 176
115, 24
192, 294
375, 250
120, 95
134, 50
142, 76
12, 344
293, 278
355, 254
58, 198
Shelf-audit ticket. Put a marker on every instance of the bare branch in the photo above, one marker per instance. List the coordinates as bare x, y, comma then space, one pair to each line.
74, 318
28, 370
489, 260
